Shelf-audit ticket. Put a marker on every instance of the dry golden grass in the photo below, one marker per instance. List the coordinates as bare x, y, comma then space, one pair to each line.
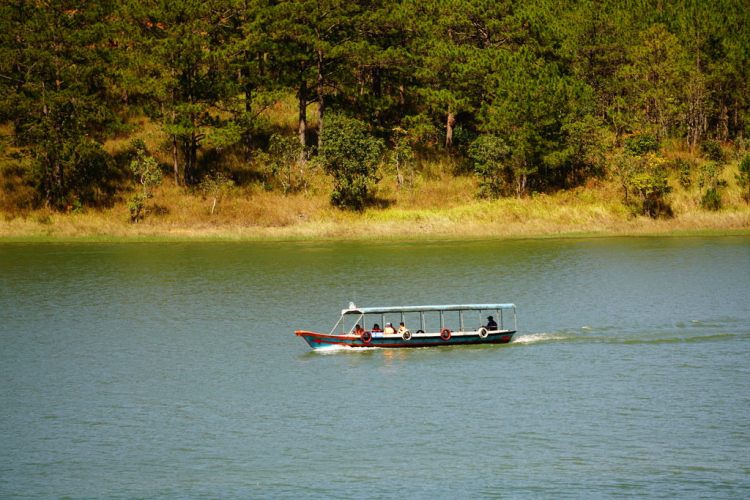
438, 209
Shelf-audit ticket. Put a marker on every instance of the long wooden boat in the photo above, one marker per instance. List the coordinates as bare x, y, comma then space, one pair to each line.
435, 326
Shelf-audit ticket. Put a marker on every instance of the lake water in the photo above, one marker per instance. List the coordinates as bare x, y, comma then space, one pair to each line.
172, 370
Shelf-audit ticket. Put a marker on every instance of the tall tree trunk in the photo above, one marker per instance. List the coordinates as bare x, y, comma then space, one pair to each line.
449, 123
174, 140
248, 135
49, 200
320, 98
186, 158
399, 178
175, 158
302, 131
52, 166
401, 103
724, 122
193, 157
377, 92
58, 176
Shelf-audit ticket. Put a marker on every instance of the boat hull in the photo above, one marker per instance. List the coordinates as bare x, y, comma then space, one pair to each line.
321, 341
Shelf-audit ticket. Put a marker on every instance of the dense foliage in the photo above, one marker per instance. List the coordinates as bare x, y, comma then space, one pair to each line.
350, 155
524, 92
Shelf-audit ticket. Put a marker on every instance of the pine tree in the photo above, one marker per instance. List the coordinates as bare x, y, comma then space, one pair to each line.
181, 57
315, 38
54, 76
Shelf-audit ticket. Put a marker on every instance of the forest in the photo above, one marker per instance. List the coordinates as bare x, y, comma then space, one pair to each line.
102, 101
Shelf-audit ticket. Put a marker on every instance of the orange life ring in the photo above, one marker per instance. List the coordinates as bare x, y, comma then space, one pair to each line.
445, 334
365, 336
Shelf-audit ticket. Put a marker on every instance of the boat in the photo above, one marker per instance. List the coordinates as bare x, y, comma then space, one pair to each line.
421, 326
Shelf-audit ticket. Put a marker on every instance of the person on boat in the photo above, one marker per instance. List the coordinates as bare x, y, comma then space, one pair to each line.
491, 325
358, 330
402, 328
376, 328
389, 330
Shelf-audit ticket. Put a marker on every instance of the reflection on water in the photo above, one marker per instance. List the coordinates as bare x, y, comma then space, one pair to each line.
163, 370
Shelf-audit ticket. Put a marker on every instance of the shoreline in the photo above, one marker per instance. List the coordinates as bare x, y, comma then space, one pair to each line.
730, 223
442, 210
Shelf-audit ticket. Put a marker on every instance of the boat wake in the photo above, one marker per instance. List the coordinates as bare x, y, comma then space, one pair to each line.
683, 332
538, 337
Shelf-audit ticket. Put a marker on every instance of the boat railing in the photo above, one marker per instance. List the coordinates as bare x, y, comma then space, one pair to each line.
461, 327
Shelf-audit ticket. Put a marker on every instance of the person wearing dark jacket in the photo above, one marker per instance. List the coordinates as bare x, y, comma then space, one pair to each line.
491, 325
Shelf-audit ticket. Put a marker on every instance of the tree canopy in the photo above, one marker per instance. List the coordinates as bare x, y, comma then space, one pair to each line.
545, 80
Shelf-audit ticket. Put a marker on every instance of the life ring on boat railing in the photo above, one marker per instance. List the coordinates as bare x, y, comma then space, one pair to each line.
483, 333
445, 334
365, 337
406, 335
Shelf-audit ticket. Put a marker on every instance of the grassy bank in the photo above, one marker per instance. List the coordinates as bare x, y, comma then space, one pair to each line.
436, 209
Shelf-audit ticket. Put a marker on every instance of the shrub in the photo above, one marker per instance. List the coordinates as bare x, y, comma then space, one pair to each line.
147, 173
709, 175
709, 179
645, 177
402, 156
651, 187
488, 153
289, 163
350, 155
213, 184
582, 155
711, 199
639, 145
685, 171
711, 149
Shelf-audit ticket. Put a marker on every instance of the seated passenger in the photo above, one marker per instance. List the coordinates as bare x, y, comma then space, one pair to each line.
491, 325
376, 328
389, 330
402, 328
358, 330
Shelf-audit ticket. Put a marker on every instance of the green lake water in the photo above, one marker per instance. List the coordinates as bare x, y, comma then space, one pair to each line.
171, 370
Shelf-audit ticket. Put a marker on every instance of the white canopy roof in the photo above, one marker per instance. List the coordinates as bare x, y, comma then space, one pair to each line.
455, 307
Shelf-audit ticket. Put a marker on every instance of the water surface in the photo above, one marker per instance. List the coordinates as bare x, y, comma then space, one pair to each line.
171, 370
